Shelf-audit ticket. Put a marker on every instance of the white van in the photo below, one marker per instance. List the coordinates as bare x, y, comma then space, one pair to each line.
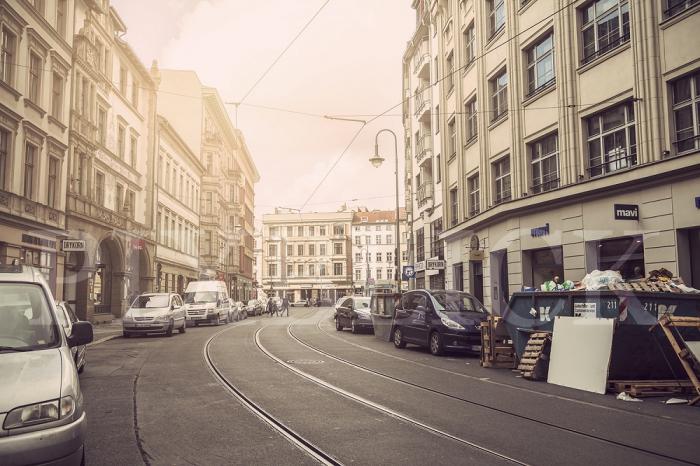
207, 302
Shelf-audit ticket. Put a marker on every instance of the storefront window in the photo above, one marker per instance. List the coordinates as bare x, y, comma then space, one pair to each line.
625, 255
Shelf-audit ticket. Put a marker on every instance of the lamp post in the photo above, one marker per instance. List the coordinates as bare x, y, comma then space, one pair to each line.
376, 162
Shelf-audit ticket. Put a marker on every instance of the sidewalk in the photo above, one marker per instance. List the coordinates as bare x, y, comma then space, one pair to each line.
106, 331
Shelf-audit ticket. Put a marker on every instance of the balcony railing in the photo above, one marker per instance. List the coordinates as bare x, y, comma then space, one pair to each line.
422, 101
422, 56
678, 6
424, 193
20, 206
83, 126
424, 147
613, 44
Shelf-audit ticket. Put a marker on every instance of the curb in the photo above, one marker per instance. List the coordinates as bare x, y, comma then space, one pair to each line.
102, 340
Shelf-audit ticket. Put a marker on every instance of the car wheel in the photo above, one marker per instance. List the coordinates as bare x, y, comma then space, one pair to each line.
399, 342
436, 344
338, 326
196, 324
355, 330
169, 332
183, 329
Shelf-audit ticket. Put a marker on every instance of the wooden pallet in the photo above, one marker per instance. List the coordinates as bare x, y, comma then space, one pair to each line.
644, 388
686, 358
496, 346
645, 286
534, 364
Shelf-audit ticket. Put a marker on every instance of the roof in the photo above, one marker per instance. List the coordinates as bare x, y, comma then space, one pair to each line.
21, 273
378, 216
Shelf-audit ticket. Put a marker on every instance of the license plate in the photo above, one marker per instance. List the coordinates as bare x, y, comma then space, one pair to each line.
196, 317
143, 325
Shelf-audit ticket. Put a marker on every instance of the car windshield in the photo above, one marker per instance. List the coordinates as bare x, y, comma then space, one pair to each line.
149, 301
26, 320
362, 303
456, 302
200, 297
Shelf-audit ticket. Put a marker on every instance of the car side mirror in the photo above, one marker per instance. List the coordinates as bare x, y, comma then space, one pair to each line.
81, 334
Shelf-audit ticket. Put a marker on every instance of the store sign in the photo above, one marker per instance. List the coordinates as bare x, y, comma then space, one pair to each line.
540, 231
420, 266
435, 264
138, 244
626, 212
73, 245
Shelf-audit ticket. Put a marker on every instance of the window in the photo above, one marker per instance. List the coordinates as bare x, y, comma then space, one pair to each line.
122, 79
312, 230
30, 161
605, 25
38, 5
420, 244
379, 257
451, 139
121, 143
389, 239
57, 96
390, 257
497, 15
208, 202
61, 8
322, 249
337, 268
272, 250
272, 270
454, 206
300, 270
210, 164
612, 141
290, 231
131, 200
312, 249
358, 274
379, 274
499, 95
377, 228
337, 249
469, 45
438, 169
120, 201
133, 148
312, 270
290, 270
378, 239
368, 239
290, 250
545, 164
437, 119
686, 112
135, 93
52, 195
4, 157
473, 201
358, 240
471, 128
35, 68
300, 231
7, 56
338, 230
102, 125
322, 231
540, 65
99, 188
300, 250
675, 7
449, 72
358, 257
501, 177
322, 270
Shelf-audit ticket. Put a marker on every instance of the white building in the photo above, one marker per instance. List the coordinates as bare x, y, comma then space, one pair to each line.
374, 249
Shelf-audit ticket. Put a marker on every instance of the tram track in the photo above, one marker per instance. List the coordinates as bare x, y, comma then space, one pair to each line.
467, 401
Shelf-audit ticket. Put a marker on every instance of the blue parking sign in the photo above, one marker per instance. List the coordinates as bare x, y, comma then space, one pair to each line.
409, 272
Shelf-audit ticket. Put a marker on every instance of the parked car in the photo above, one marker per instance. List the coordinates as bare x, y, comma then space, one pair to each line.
43, 420
154, 313
235, 312
354, 312
323, 302
300, 303
67, 317
440, 320
206, 302
254, 307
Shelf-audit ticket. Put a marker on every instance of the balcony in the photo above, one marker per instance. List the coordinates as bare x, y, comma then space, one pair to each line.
421, 60
14, 204
83, 126
86, 52
422, 103
424, 147
424, 193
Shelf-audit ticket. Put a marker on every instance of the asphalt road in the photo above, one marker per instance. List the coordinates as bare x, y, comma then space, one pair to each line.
354, 398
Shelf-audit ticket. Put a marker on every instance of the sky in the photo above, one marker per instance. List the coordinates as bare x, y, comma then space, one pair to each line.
347, 62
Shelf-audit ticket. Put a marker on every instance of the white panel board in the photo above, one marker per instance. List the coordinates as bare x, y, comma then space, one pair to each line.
580, 353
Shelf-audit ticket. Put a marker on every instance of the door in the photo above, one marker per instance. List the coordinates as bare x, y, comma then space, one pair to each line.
476, 282
345, 311
416, 322
499, 281
179, 311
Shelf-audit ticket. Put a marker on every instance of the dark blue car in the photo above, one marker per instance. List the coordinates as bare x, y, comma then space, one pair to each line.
440, 320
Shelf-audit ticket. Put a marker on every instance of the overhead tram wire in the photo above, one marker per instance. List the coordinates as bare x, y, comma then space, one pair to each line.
407, 99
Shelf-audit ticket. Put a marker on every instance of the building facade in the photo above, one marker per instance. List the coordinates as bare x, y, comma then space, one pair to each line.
36, 47
227, 197
374, 249
111, 165
178, 176
551, 167
307, 255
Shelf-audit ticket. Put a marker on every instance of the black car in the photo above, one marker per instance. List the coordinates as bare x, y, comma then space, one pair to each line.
354, 312
440, 320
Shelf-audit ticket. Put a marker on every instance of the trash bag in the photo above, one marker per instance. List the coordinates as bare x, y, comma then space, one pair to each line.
600, 279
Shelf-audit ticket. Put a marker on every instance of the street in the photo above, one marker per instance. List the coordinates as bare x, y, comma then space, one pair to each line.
295, 391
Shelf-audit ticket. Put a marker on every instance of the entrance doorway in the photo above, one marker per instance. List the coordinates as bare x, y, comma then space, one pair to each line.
476, 280
108, 282
499, 281
458, 277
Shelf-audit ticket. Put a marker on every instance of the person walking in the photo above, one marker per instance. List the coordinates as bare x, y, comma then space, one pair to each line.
270, 307
285, 305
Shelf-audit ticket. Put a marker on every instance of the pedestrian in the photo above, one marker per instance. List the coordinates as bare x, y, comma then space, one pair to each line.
270, 307
285, 305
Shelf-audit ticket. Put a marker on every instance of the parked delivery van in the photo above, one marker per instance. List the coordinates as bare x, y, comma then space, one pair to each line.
207, 302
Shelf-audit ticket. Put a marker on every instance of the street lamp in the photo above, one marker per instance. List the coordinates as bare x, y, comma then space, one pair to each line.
376, 162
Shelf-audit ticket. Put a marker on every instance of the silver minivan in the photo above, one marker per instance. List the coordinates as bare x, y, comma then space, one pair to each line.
42, 418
